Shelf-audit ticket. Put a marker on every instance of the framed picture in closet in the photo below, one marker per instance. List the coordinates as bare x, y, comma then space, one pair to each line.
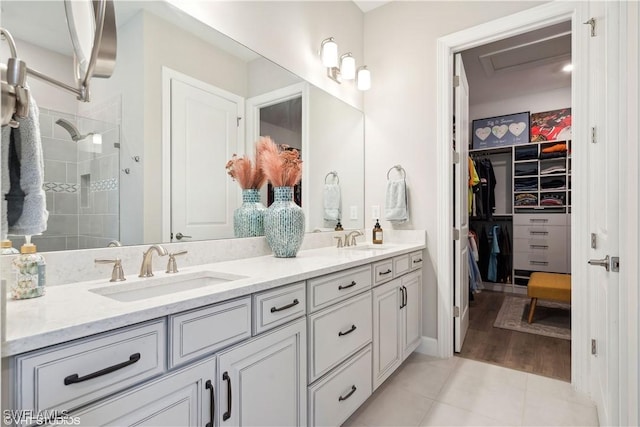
551, 125
501, 131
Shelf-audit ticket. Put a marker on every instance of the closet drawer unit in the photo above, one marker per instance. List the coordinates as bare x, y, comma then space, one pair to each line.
332, 288
334, 398
278, 306
552, 262
337, 332
540, 219
401, 265
555, 237
382, 271
67, 376
205, 330
415, 260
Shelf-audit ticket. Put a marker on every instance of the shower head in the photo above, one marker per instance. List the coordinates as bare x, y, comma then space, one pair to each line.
73, 131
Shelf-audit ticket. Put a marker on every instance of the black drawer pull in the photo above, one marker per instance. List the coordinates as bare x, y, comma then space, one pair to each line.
401, 297
538, 262
543, 233
406, 296
538, 220
416, 261
539, 246
284, 307
348, 395
341, 334
350, 285
209, 386
73, 379
227, 378
382, 273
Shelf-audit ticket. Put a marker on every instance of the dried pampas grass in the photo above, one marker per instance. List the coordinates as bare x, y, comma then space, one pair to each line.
241, 169
281, 164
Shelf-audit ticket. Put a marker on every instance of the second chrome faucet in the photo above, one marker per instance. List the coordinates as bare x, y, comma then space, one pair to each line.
146, 269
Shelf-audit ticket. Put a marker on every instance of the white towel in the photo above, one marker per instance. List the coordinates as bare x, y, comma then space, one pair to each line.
332, 202
27, 137
396, 206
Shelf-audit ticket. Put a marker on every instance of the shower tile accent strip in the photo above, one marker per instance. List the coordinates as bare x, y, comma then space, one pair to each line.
60, 187
104, 185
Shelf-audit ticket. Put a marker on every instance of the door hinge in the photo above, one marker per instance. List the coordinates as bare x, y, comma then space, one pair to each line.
456, 157
238, 121
594, 240
456, 234
456, 81
594, 347
456, 311
594, 139
592, 23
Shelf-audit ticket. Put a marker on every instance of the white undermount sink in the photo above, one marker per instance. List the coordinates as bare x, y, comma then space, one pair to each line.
371, 247
164, 285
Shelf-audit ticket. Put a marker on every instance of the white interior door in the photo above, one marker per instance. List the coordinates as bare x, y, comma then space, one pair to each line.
204, 135
461, 210
603, 158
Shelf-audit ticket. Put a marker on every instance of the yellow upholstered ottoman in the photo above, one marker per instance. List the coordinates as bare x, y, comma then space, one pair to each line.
553, 286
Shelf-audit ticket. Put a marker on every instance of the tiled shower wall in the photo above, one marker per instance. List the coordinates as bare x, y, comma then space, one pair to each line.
81, 181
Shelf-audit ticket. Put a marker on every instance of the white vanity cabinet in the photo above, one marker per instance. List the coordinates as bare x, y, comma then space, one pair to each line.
263, 382
397, 320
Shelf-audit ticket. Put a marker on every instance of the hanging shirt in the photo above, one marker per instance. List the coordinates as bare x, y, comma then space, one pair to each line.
492, 274
474, 180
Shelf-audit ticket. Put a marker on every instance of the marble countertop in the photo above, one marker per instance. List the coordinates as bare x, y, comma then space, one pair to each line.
72, 311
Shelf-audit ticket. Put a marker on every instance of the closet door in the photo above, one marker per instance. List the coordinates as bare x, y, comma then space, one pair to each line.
461, 210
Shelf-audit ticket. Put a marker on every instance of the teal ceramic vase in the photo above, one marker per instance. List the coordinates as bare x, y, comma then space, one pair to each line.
248, 219
284, 224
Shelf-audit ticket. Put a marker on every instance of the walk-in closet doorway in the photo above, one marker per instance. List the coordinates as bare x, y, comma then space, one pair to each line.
518, 200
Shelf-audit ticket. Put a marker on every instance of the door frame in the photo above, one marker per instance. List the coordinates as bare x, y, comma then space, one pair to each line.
167, 75
447, 46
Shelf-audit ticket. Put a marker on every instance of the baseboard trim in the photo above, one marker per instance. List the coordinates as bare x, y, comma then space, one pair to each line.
428, 346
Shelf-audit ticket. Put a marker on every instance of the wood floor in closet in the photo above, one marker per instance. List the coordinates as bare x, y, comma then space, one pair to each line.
536, 354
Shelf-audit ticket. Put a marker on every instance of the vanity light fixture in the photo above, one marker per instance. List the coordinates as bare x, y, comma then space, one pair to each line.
342, 67
364, 78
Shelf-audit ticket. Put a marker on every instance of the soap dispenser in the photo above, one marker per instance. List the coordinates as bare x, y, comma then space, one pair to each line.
7, 248
338, 226
30, 272
377, 233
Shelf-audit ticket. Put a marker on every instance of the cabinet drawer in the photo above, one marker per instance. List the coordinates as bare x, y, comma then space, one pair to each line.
401, 265
415, 260
337, 332
70, 375
552, 262
555, 232
334, 398
382, 271
540, 219
205, 330
332, 288
278, 306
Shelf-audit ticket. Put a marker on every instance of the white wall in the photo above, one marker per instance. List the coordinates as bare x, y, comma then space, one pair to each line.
289, 33
533, 102
400, 49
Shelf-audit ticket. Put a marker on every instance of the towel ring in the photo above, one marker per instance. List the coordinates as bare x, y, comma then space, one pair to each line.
400, 169
334, 174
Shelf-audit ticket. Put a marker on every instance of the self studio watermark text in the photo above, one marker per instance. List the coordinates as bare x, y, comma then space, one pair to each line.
30, 417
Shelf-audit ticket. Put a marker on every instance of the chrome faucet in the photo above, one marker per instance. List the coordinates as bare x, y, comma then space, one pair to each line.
146, 269
350, 239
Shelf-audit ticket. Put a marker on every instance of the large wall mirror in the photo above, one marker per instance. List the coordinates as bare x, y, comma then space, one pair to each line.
150, 148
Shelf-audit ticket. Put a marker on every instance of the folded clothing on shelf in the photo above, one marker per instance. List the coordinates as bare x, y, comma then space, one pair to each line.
526, 153
552, 200
555, 148
526, 199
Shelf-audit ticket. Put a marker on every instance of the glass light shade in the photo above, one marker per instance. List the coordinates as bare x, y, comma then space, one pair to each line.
96, 138
348, 67
329, 53
364, 79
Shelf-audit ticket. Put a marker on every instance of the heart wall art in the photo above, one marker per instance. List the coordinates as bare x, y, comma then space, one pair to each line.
501, 131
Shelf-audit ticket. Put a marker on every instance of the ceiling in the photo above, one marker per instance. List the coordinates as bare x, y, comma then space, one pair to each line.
528, 63
367, 5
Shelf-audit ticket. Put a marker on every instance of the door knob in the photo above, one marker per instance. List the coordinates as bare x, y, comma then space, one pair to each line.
601, 262
179, 236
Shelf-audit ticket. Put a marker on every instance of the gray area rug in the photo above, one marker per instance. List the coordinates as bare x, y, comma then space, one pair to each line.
551, 319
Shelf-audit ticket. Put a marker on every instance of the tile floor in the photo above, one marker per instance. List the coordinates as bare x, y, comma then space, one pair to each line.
426, 391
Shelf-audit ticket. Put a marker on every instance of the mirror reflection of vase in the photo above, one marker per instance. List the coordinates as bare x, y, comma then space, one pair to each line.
248, 219
284, 224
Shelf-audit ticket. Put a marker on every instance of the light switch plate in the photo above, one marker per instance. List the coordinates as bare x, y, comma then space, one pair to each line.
375, 212
354, 212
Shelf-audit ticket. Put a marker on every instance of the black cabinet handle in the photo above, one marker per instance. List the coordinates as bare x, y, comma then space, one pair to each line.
539, 246
542, 233
348, 395
401, 297
538, 263
350, 285
382, 273
341, 334
73, 379
209, 386
415, 261
227, 415
284, 307
406, 296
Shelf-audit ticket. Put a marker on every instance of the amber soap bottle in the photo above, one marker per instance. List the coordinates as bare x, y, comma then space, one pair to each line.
377, 233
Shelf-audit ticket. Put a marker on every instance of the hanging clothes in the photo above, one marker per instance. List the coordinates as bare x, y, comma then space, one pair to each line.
485, 250
504, 259
474, 181
488, 187
492, 274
